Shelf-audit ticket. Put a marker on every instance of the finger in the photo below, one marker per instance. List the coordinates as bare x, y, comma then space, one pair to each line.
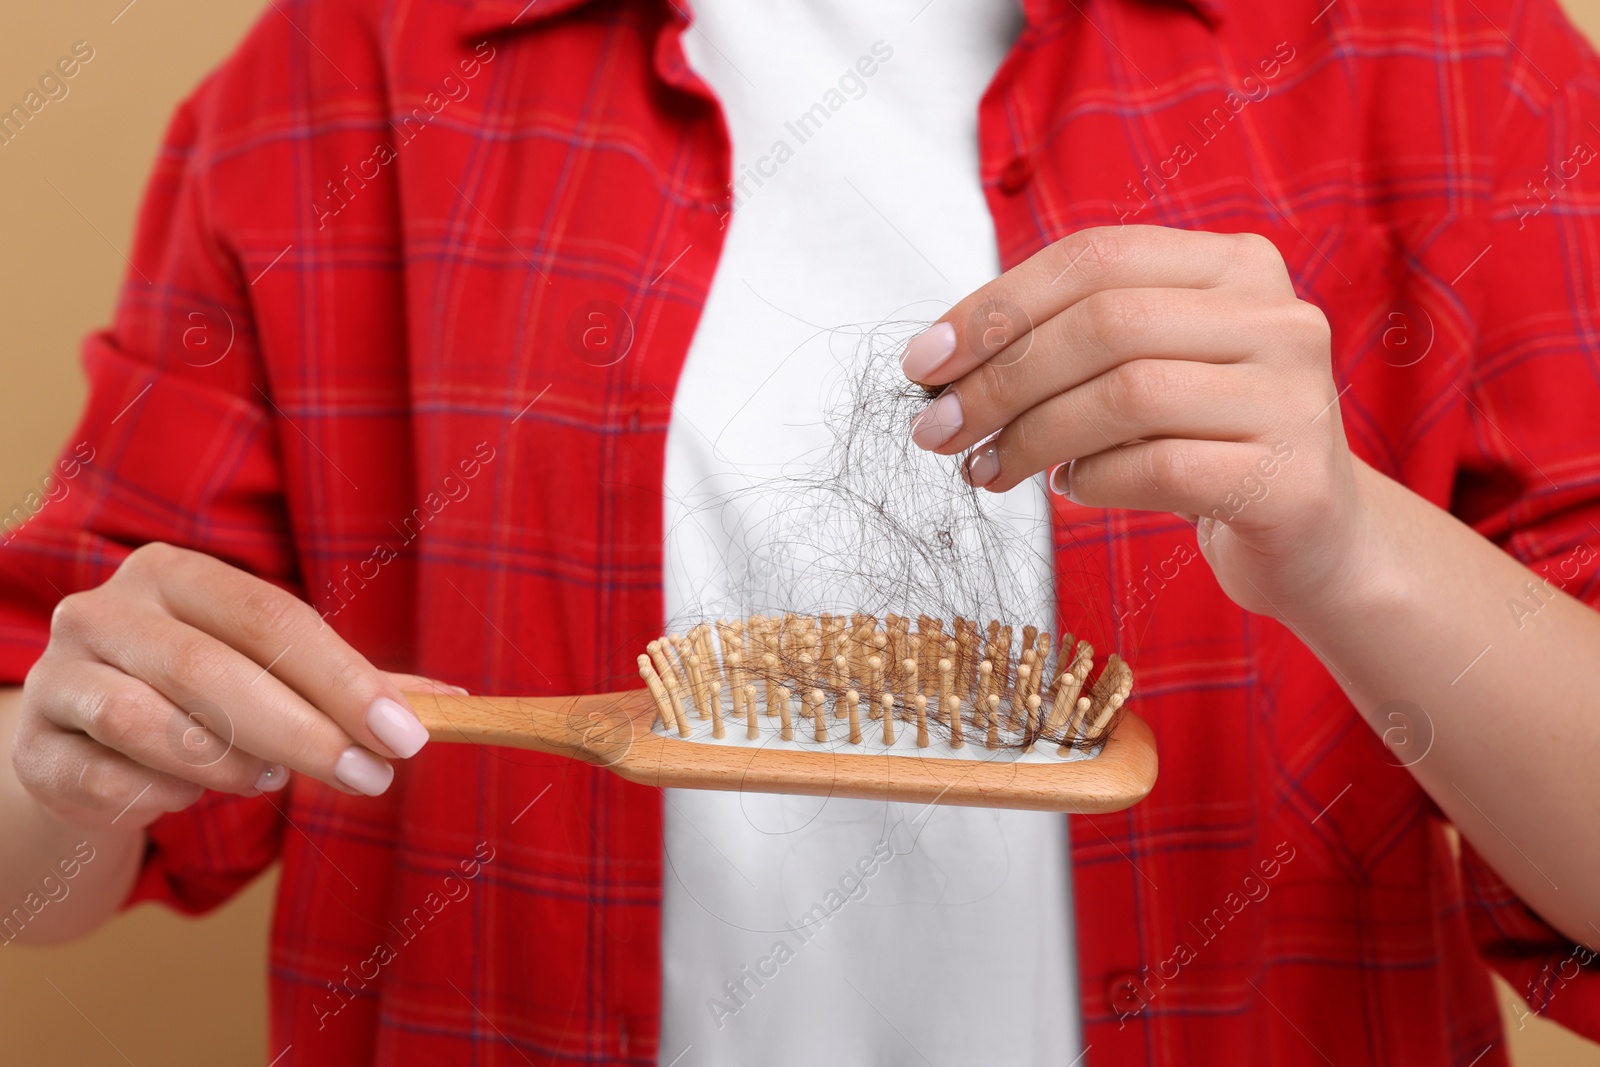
127, 716
89, 784
421, 683
285, 635
1061, 274
1103, 331
1203, 478
1144, 399
269, 720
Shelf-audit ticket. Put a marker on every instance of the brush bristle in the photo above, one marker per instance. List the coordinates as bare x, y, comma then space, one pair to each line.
803, 673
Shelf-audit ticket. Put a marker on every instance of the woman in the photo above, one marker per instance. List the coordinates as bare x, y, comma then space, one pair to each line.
442, 316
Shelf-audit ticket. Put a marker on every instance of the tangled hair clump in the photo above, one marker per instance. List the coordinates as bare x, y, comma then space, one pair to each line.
876, 528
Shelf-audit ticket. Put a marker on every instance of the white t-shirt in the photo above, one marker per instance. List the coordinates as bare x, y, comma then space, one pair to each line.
799, 931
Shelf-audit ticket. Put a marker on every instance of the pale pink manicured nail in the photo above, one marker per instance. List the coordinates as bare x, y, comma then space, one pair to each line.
938, 422
459, 691
1061, 480
396, 727
273, 779
362, 771
928, 350
983, 467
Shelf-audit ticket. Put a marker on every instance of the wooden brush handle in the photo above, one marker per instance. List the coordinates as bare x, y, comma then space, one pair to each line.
613, 730
595, 728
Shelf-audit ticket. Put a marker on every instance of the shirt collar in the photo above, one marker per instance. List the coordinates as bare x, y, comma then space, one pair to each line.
485, 17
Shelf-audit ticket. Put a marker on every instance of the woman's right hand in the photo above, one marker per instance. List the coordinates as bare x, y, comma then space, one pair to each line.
181, 674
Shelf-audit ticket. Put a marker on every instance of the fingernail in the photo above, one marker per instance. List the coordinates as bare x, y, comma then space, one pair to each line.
459, 691
1061, 480
396, 727
273, 779
928, 350
362, 771
982, 467
937, 423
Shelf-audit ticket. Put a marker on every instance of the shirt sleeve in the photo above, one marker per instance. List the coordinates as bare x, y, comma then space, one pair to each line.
1529, 461
174, 445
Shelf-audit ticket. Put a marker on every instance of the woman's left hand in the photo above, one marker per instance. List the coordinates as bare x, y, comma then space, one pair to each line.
1161, 370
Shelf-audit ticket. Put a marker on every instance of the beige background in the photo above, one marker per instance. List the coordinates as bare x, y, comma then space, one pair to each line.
152, 988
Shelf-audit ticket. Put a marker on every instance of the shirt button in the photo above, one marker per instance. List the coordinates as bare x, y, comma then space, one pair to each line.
1015, 175
1122, 993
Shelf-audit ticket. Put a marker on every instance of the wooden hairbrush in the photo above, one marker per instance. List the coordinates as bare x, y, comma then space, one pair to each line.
846, 706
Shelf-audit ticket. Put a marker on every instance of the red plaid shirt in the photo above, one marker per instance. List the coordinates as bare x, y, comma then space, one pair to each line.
365, 266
